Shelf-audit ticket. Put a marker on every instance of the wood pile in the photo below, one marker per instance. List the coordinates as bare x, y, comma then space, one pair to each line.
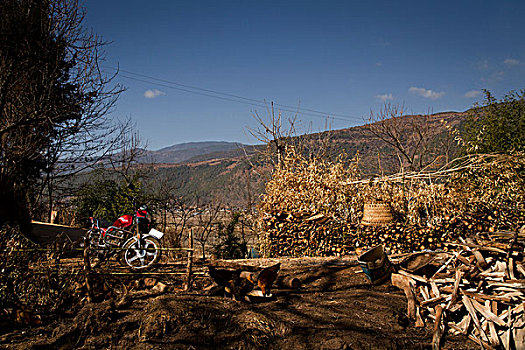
476, 289
298, 234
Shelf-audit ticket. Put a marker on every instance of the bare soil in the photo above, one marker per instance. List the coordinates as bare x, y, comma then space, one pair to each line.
336, 308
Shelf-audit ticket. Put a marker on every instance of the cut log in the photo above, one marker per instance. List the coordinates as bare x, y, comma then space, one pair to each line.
291, 282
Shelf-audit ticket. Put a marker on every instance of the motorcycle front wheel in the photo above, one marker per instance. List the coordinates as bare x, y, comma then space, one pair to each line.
141, 256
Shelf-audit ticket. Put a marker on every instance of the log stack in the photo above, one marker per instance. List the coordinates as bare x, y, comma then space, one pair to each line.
476, 289
298, 234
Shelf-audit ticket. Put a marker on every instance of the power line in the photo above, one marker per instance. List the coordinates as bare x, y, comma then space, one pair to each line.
255, 104
230, 97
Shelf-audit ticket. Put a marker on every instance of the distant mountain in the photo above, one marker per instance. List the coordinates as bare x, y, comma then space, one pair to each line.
184, 152
211, 170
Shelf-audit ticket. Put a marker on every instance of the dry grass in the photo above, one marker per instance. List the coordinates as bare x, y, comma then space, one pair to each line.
482, 192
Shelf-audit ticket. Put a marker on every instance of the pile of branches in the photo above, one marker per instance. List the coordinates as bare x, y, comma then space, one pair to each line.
313, 207
476, 289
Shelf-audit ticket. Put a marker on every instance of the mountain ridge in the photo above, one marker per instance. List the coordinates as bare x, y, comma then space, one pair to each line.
182, 152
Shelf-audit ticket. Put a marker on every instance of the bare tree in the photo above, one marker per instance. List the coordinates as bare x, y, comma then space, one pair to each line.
175, 211
54, 99
411, 137
207, 219
274, 133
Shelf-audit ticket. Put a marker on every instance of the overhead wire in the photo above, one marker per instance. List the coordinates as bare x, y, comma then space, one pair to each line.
229, 97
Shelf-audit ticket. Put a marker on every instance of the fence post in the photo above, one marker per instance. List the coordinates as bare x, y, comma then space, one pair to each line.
187, 285
87, 270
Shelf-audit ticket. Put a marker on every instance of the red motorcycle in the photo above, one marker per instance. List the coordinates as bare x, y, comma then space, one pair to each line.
131, 237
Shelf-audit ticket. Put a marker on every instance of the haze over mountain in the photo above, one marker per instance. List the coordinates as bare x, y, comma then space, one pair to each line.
183, 152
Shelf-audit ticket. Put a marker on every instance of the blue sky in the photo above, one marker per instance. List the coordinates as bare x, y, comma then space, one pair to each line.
342, 58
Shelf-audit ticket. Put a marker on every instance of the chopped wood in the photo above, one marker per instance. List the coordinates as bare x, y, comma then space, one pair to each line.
488, 249
480, 259
500, 266
463, 259
510, 268
472, 311
424, 292
454, 298
288, 282
412, 276
419, 320
464, 325
487, 313
482, 297
520, 269
510, 285
436, 338
447, 263
509, 330
433, 301
494, 338
315, 217
435, 289
405, 283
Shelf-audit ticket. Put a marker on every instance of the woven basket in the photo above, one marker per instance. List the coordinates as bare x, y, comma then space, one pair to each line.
376, 214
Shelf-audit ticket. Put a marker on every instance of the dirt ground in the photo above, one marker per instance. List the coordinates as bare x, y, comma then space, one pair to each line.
336, 308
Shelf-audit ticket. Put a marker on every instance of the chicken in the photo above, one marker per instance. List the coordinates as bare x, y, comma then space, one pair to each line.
222, 276
265, 278
231, 281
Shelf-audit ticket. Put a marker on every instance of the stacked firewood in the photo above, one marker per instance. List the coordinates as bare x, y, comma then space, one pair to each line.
289, 235
297, 234
476, 289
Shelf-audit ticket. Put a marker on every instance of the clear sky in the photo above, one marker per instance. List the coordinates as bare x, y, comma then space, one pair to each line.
342, 58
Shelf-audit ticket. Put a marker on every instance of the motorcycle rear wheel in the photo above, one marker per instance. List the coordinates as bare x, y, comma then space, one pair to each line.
139, 258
